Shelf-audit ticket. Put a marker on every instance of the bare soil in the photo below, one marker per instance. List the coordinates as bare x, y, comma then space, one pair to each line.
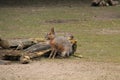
61, 69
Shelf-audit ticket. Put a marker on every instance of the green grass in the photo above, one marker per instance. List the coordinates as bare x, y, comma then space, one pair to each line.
97, 30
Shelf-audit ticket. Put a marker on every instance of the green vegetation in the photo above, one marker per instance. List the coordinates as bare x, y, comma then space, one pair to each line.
96, 29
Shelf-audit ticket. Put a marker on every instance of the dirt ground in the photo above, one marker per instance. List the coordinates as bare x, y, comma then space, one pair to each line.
61, 69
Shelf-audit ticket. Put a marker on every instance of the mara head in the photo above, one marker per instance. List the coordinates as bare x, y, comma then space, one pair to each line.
51, 34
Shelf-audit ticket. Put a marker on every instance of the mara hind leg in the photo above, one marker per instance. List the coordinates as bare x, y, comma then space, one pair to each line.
63, 54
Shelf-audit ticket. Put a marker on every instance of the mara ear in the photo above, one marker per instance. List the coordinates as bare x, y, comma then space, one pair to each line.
52, 30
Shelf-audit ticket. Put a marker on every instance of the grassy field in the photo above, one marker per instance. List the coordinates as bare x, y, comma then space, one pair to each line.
97, 29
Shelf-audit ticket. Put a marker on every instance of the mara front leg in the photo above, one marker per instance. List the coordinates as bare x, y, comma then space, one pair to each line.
52, 52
